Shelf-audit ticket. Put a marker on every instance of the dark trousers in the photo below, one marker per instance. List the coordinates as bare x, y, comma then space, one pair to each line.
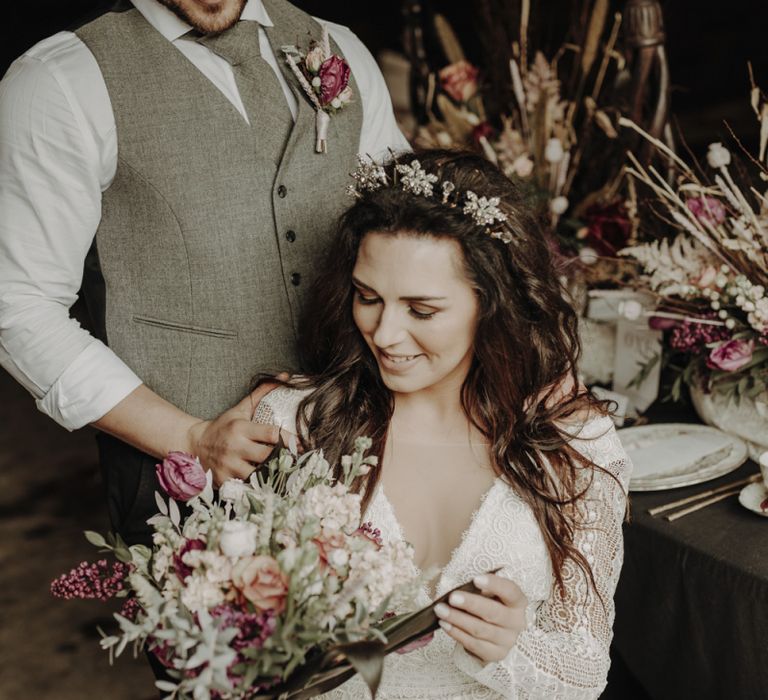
131, 482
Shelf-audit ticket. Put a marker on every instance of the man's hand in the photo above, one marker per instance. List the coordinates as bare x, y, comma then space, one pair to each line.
231, 445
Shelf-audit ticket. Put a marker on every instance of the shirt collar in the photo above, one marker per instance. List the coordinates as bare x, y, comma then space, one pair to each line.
173, 27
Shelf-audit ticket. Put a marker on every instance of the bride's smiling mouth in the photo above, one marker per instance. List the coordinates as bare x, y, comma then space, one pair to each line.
393, 362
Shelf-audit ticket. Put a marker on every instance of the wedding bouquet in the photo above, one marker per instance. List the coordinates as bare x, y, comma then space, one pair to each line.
269, 588
710, 280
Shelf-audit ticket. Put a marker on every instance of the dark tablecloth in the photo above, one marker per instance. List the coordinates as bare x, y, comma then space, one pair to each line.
692, 601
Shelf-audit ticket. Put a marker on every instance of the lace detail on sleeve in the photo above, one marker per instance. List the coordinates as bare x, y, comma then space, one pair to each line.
563, 653
279, 407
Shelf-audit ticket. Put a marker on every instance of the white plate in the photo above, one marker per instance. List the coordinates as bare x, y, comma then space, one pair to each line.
752, 495
670, 455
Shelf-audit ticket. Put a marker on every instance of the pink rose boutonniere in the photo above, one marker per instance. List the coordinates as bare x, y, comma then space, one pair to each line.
324, 77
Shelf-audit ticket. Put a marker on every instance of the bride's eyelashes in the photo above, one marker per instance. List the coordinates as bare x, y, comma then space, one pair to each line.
371, 300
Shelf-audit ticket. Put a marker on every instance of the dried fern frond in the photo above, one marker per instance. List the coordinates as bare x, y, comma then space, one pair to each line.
594, 32
448, 40
671, 267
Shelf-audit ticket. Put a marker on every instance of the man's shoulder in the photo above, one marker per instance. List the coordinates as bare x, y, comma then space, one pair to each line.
55, 49
353, 49
50, 70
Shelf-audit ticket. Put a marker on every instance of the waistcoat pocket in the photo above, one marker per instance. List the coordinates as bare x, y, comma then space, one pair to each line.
185, 328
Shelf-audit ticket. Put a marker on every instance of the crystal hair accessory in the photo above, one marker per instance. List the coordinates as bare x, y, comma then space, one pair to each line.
484, 211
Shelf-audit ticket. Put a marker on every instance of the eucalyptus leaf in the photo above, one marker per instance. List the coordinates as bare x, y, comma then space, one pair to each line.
95, 538
174, 512
162, 506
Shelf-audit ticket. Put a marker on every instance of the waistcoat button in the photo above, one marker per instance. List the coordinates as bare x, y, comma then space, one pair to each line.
290, 236
295, 279
282, 191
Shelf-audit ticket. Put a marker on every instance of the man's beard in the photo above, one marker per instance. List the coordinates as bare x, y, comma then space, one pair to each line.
207, 19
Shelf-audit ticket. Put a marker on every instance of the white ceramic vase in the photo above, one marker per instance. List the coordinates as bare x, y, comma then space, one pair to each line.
747, 419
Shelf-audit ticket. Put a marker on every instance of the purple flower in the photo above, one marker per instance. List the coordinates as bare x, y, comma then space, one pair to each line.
334, 77
731, 355
92, 581
181, 475
181, 569
608, 227
707, 210
691, 337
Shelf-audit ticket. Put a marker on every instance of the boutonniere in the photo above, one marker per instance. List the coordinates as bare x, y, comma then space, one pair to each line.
324, 77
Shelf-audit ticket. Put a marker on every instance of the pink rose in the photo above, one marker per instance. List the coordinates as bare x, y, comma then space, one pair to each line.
459, 80
706, 209
181, 475
260, 580
731, 355
334, 77
325, 545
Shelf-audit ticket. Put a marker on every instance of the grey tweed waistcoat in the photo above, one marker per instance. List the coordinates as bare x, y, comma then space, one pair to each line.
212, 228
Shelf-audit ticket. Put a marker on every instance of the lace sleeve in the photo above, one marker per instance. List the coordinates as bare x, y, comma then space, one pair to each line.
279, 407
563, 653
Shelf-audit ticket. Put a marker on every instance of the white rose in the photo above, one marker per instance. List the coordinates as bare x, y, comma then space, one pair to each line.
444, 139
522, 166
238, 539
315, 59
559, 205
345, 96
338, 558
553, 153
718, 156
232, 490
588, 255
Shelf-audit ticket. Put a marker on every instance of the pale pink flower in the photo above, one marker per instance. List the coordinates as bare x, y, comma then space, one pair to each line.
459, 80
181, 475
731, 355
260, 581
707, 210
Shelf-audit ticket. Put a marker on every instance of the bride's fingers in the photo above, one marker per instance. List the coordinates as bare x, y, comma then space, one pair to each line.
508, 592
472, 625
488, 609
484, 650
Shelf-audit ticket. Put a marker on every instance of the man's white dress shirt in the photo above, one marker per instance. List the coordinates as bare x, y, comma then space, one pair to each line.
58, 153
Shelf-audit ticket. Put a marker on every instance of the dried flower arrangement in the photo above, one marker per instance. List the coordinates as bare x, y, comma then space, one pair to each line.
710, 280
560, 121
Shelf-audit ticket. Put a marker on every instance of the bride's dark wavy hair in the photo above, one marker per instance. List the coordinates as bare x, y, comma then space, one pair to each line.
522, 385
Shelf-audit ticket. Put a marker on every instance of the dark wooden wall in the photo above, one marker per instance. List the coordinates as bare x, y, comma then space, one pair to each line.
709, 44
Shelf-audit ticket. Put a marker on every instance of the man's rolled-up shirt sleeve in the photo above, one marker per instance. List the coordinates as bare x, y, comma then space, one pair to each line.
50, 206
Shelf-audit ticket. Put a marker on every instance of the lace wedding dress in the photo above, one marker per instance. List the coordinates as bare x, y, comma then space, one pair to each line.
563, 652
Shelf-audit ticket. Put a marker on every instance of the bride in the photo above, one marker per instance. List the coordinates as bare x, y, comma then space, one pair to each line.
439, 329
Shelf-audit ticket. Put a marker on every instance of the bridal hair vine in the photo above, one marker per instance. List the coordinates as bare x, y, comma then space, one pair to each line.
484, 211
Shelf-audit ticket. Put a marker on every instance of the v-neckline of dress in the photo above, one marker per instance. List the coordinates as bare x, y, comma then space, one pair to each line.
446, 568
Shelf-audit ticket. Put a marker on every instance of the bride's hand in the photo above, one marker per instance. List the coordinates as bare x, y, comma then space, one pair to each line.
485, 625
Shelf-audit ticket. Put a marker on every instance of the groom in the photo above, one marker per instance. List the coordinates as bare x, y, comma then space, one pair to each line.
170, 139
